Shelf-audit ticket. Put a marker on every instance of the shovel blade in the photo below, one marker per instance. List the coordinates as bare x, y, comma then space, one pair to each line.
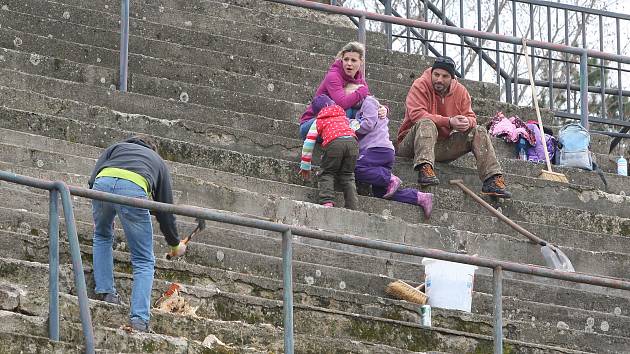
556, 259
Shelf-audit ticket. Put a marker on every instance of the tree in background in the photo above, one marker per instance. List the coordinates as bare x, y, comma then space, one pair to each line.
533, 22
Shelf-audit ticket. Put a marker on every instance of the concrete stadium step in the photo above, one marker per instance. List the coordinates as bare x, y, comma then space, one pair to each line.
323, 297
217, 135
576, 238
11, 342
110, 136
306, 318
220, 93
439, 318
250, 123
134, 103
110, 317
79, 16
406, 74
483, 244
200, 65
106, 37
532, 213
167, 20
268, 15
519, 310
107, 339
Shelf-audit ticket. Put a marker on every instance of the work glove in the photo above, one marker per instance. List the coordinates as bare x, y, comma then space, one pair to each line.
177, 251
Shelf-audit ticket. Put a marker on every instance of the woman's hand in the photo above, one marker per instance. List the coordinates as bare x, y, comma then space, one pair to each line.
382, 112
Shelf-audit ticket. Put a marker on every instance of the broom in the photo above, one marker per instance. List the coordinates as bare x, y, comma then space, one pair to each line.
401, 290
544, 174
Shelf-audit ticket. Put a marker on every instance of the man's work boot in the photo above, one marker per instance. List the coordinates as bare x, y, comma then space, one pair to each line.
495, 186
112, 298
139, 324
426, 175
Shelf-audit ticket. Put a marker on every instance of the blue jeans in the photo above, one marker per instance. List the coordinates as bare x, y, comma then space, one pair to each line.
138, 229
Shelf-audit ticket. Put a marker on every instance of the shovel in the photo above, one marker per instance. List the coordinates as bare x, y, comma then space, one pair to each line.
201, 225
554, 257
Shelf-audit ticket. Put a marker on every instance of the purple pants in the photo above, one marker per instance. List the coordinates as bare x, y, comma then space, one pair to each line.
374, 166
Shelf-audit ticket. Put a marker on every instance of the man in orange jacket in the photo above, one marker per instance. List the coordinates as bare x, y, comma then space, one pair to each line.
440, 125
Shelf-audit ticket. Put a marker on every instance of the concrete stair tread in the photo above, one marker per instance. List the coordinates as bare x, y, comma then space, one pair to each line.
531, 169
191, 100
277, 107
261, 35
86, 227
200, 171
476, 247
560, 209
146, 30
198, 293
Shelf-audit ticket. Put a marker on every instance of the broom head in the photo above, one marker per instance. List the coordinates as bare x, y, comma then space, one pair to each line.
553, 176
401, 290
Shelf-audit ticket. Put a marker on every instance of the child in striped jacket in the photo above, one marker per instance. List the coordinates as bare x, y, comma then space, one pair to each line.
340, 151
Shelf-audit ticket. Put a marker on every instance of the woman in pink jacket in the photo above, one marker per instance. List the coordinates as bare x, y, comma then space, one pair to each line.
346, 69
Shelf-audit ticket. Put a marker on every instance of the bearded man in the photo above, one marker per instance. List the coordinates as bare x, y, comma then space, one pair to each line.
440, 125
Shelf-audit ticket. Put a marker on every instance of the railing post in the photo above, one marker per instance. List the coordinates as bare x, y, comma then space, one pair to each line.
362, 37
388, 26
53, 266
497, 277
584, 89
287, 282
124, 44
77, 266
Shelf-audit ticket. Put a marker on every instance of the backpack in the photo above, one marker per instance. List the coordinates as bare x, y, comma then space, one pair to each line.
574, 143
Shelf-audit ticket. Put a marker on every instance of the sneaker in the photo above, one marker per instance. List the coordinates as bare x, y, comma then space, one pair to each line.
328, 205
138, 324
426, 175
425, 201
394, 184
495, 186
112, 298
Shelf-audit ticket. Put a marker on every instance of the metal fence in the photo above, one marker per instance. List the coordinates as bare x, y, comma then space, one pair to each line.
610, 102
287, 232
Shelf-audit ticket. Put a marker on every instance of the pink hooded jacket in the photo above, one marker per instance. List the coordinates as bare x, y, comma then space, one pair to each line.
332, 86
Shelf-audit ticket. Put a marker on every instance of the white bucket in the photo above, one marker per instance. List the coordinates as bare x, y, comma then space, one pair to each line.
449, 285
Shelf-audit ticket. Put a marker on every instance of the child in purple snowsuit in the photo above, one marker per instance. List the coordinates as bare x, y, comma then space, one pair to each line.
376, 159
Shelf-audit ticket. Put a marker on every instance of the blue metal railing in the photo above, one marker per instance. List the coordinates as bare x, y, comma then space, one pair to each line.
287, 232
60, 189
512, 81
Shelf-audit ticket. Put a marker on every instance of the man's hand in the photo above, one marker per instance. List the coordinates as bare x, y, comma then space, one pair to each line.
459, 123
177, 251
306, 174
382, 112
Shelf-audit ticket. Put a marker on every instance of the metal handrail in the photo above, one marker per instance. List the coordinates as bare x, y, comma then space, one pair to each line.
57, 189
513, 80
288, 231
576, 8
582, 52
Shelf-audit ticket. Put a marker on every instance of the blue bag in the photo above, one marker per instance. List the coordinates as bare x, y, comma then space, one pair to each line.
574, 143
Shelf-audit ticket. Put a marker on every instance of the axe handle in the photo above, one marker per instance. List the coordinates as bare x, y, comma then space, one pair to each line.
187, 239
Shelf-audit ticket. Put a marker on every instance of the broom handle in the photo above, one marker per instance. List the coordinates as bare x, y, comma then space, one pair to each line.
535, 99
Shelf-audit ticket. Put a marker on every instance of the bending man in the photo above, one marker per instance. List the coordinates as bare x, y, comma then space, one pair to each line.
131, 168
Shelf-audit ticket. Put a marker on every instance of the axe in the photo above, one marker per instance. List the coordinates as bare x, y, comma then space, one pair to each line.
201, 225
